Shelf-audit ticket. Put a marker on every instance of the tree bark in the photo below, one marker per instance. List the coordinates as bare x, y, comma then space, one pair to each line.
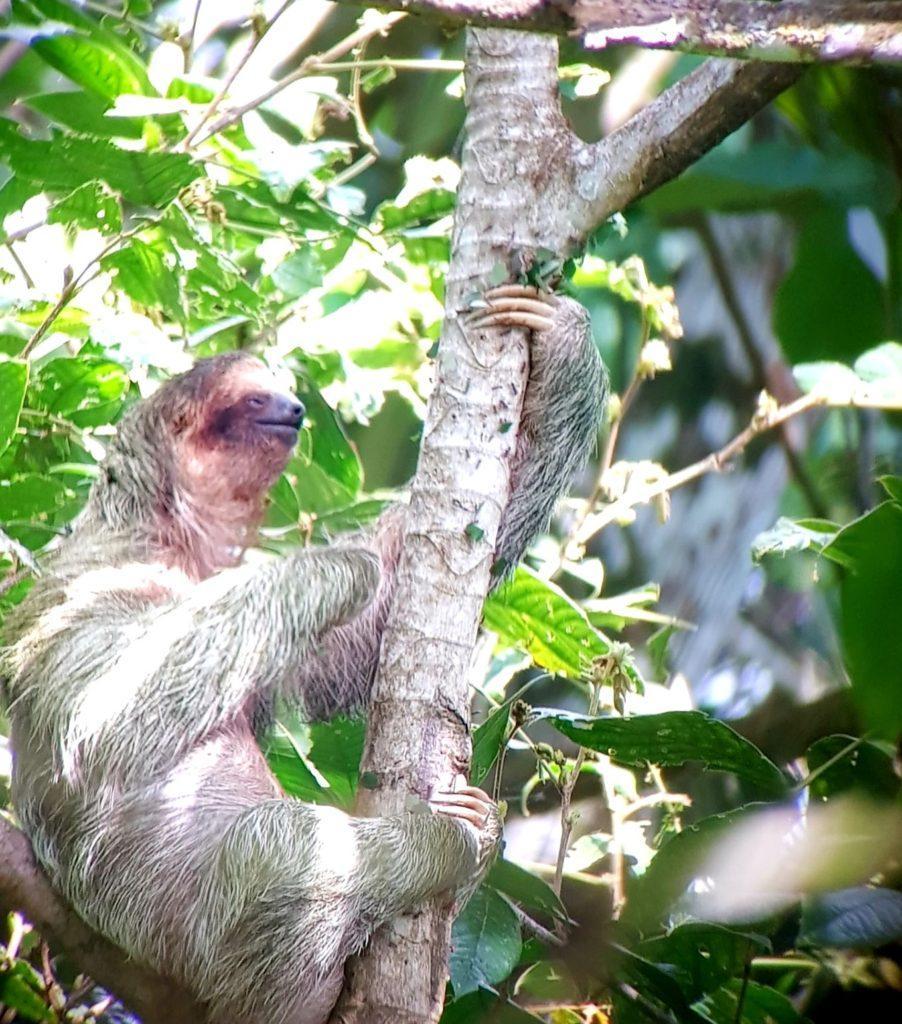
527, 183
828, 31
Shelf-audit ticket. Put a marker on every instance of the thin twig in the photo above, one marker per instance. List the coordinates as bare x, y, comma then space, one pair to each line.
213, 106
372, 27
720, 269
70, 289
717, 461
187, 44
569, 784
126, 19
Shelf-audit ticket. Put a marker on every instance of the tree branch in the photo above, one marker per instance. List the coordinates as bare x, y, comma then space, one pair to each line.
847, 31
24, 887
767, 417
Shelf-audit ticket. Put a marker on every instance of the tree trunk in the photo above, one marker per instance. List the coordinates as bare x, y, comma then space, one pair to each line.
418, 729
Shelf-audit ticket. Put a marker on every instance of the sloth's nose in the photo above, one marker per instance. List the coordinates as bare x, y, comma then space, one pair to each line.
287, 409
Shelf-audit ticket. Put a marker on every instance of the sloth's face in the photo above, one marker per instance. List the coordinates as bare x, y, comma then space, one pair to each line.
237, 432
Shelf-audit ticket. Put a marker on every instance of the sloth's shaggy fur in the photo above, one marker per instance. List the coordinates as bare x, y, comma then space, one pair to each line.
138, 666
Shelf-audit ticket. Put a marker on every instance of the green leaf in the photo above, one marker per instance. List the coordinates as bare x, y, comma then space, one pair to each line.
299, 273
19, 991
13, 382
485, 942
86, 52
65, 162
82, 388
793, 535
870, 551
336, 747
85, 114
488, 740
535, 616
148, 275
858, 918
704, 956
830, 305
290, 767
482, 1006
652, 896
865, 768
14, 194
526, 889
893, 486
326, 470
669, 739
421, 209
759, 1005
655, 983
30, 497
91, 205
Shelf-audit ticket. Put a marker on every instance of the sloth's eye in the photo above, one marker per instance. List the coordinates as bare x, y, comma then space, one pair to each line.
255, 402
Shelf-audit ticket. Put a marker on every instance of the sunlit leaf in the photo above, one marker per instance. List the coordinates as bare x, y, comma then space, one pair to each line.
13, 382
671, 738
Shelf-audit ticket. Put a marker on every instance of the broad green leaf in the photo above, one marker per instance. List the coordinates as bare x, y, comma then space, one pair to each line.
65, 162
759, 1005
488, 739
326, 469
525, 888
283, 504
300, 272
656, 984
30, 497
290, 767
653, 896
830, 305
15, 193
793, 535
78, 387
672, 738
148, 275
91, 205
482, 1005
704, 956
535, 616
20, 991
866, 768
859, 918
13, 382
548, 982
85, 114
336, 747
485, 942
423, 208
870, 551
215, 284
86, 52
893, 486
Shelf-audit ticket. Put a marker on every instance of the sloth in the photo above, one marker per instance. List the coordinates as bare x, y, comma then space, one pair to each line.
145, 658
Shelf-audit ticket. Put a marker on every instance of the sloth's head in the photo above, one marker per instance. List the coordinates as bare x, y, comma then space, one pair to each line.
191, 465
232, 426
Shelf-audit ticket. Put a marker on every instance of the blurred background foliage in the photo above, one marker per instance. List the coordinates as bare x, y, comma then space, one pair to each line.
162, 200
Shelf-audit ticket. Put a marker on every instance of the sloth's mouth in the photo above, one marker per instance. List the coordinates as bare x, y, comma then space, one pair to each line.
285, 429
